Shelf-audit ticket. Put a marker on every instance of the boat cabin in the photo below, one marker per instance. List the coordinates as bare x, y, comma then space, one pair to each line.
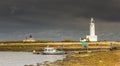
50, 50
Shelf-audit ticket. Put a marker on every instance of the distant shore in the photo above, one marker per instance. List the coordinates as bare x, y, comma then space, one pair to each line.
30, 46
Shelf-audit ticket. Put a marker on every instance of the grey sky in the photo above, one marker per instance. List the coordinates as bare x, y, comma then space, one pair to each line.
58, 19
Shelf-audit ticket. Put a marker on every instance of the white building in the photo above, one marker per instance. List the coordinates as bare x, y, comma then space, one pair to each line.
83, 39
92, 36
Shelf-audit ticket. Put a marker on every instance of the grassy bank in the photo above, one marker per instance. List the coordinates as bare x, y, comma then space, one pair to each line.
58, 45
90, 59
109, 58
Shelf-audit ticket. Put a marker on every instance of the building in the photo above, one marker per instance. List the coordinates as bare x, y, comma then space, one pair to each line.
83, 39
29, 39
92, 36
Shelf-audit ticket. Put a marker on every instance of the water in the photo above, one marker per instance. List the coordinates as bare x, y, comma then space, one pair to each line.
25, 58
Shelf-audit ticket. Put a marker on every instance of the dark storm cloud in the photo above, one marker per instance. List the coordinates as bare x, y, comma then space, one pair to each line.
106, 9
52, 16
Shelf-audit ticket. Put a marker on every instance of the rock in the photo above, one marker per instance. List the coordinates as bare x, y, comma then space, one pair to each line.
25, 65
39, 64
31, 65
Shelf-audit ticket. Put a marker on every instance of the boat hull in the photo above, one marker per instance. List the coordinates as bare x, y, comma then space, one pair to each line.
54, 53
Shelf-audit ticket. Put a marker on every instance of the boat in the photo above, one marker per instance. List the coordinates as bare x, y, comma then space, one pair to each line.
52, 51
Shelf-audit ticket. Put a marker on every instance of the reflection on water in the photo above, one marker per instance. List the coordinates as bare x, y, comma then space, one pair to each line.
22, 58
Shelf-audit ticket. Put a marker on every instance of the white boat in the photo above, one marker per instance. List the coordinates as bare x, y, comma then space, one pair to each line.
52, 51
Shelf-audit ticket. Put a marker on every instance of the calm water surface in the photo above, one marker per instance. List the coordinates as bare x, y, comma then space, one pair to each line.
25, 58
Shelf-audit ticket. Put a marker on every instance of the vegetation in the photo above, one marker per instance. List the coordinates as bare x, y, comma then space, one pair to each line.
37, 41
39, 45
67, 41
92, 59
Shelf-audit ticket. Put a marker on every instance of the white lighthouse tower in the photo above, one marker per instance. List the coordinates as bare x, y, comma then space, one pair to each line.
92, 36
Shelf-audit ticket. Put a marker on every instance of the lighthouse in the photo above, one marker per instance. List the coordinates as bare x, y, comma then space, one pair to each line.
92, 36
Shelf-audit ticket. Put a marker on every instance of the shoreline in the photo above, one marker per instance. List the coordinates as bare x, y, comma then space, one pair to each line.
66, 46
110, 58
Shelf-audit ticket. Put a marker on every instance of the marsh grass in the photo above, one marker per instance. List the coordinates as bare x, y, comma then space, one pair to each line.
70, 46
